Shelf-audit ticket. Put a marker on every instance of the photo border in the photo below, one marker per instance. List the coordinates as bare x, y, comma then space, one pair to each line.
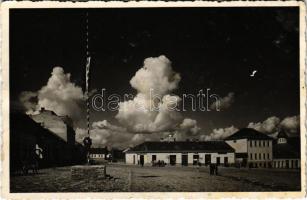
6, 6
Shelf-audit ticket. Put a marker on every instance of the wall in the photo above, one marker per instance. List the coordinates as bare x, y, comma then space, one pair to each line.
165, 157
266, 151
281, 163
97, 156
240, 146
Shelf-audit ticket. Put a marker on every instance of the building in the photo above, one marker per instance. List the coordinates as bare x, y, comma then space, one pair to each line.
98, 153
252, 148
286, 152
116, 155
181, 153
28, 136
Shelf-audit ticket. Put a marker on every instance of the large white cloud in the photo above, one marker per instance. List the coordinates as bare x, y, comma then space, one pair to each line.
59, 95
157, 75
151, 115
154, 108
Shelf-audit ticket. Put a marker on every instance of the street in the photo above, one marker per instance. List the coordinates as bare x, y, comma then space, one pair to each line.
127, 178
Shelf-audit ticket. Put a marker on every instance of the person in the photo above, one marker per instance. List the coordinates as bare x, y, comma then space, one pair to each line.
216, 170
211, 168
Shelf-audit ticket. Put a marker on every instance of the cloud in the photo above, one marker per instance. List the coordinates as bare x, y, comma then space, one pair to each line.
188, 129
103, 134
29, 101
152, 114
224, 102
273, 125
270, 125
59, 95
219, 133
154, 108
157, 75
291, 124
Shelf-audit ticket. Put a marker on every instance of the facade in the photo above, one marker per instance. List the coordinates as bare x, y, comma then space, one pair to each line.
98, 153
181, 153
28, 137
252, 148
286, 152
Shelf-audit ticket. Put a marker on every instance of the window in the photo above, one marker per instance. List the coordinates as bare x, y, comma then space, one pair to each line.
259, 143
251, 156
263, 142
268, 156
255, 156
259, 156
263, 156
251, 143
255, 143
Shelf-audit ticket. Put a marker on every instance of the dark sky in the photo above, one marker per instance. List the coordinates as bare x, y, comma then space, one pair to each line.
215, 48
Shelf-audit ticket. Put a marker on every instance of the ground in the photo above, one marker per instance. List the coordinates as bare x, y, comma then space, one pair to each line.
127, 178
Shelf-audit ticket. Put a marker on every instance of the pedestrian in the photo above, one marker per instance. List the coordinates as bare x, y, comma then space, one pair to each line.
211, 168
216, 170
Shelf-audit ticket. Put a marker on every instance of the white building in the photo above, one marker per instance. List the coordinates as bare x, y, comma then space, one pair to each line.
98, 153
286, 152
181, 153
252, 148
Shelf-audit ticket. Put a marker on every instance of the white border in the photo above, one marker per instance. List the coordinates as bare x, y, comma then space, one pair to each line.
157, 195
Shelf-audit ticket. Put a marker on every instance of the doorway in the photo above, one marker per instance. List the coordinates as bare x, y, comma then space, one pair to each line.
226, 161
184, 160
172, 159
195, 159
218, 160
207, 159
142, 160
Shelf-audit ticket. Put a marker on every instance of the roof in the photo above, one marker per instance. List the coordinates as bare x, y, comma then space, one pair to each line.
98, 150
282, 151
249, 133
208, 146
282, 134
20, 122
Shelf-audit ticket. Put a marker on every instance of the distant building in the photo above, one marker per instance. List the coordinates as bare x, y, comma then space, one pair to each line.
181, 153
62, 126
252, 148
98, 153
116, 155
286, 152
28, 136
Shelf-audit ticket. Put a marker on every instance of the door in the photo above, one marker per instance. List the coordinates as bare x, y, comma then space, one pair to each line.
195, 159
226, 161
207, 159
218, 160
133, 159
184, 160
172, 159
142, 160
153, 158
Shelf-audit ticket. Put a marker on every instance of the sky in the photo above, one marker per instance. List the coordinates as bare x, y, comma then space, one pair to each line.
192, 48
